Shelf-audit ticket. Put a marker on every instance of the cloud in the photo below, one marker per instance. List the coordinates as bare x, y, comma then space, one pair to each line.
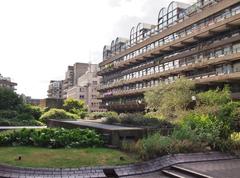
39, 39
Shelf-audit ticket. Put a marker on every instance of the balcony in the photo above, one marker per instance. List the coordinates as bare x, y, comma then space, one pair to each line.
206, 78
198, 64
191, 36
196, 34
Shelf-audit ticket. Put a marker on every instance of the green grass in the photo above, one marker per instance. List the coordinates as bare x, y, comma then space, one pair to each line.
63, 158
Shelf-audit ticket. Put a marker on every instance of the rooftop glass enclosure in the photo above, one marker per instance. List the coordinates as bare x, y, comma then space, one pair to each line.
168, 16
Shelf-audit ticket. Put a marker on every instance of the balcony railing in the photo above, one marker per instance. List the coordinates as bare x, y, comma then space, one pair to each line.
199, 79
218, 24
195, 64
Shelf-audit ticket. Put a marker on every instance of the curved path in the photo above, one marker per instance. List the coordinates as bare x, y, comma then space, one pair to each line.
132, 170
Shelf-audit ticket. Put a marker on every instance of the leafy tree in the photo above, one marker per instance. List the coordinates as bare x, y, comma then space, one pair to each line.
75, 107
169, 99
9, 100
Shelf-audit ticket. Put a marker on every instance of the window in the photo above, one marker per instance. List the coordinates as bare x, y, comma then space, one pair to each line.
236, 48
81, 89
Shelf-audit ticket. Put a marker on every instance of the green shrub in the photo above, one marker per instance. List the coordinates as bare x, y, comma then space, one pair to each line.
201, 128
59, 114
154, 115
4, 122
235, 139
157, 145
15, 122
214, 97
52, 138
8, 114
9, 100
153, 146
76, 107
99, 115
35, 111
112, 120
138, 119
129, 146
24, 116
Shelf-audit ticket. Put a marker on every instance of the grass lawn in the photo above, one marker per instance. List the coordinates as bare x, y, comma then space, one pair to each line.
68, 158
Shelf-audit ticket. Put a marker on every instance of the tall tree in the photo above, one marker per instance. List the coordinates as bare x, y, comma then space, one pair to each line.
9, 100
169, 99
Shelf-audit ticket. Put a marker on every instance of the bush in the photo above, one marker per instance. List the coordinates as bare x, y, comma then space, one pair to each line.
24, 116
170, 99
52, 138
35, 111
15, 122
112, 120
58, 114
156, 145
8, 114
203, 128
138, 119
235, 139
4, 122
75, 107
153, 146
214, 97
9, 100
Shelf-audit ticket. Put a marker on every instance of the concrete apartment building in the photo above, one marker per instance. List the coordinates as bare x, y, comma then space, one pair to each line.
55, 89
86, 89
7, 83
200, 42
72, 75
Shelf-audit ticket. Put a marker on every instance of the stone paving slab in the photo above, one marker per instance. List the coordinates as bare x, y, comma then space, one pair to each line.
220, 169
145, 168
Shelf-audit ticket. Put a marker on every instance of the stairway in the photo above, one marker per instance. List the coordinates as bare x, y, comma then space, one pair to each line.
180, 172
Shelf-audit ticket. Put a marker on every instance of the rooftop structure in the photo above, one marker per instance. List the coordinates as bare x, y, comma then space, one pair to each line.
7, 83
199, 41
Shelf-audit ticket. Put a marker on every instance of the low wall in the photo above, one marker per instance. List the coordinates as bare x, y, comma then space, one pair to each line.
111, 136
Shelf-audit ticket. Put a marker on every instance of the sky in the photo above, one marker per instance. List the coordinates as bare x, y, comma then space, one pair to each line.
40, 38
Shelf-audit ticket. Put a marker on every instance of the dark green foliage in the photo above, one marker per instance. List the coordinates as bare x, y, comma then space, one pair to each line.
58, 114
16, 122
8, 114
9, 100
14, 113
52, 138
200, 128
25, 116
112, 120
35, 111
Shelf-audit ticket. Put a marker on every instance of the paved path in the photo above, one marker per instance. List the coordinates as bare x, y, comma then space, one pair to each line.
219, 169
146, 169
